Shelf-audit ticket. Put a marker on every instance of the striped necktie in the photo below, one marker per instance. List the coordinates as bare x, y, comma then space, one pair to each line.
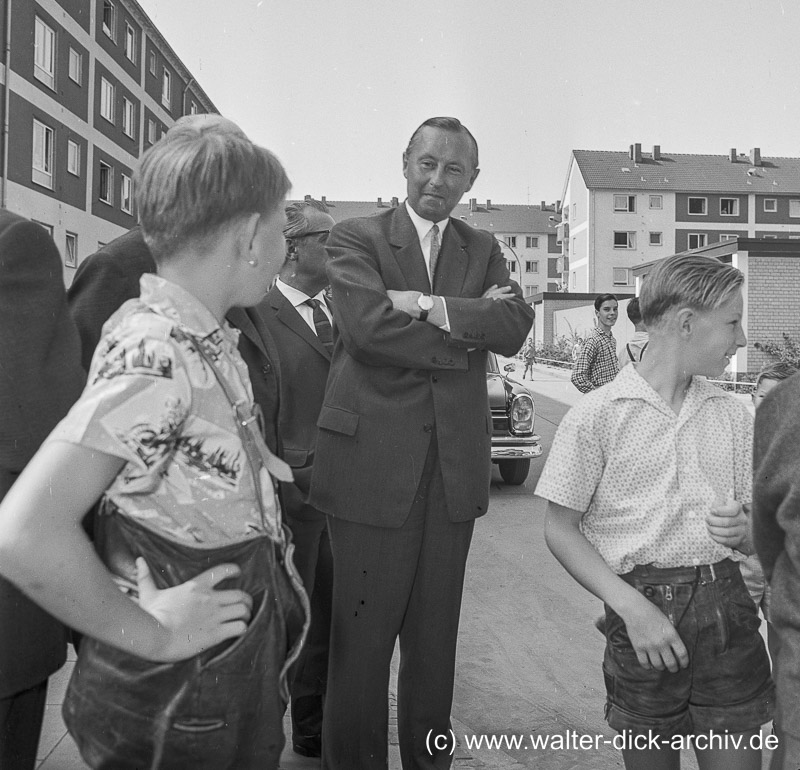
321, 324
435, 245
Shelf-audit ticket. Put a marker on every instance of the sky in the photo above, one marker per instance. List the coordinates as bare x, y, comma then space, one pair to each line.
336, 87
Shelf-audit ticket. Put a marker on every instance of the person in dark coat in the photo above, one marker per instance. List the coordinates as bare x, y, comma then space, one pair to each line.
40, 378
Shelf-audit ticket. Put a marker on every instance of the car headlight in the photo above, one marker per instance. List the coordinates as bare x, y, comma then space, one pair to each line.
520, 415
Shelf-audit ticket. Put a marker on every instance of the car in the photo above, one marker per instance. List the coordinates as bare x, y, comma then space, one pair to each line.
514, 444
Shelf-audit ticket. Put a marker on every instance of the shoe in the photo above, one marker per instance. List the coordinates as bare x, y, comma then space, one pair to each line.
307, 745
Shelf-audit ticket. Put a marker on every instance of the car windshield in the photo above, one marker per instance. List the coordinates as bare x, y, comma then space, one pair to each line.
491, 364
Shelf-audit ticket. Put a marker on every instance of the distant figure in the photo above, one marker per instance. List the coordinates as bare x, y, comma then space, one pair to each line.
403, 453
634, 348
297, 316
40, 378
529, 357
191, 553
597, 363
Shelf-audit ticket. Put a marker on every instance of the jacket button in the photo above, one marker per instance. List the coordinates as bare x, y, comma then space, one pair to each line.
434, 379
266, 369
427, 427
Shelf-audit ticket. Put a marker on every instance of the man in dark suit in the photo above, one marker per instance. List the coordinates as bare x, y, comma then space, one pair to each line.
40, 378
403, 452
297, 316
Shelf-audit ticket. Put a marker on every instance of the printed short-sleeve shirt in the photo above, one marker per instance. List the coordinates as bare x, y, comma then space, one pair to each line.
646, 477
153, 401
597, 362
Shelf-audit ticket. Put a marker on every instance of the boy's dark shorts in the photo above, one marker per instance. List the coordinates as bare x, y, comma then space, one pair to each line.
727, 684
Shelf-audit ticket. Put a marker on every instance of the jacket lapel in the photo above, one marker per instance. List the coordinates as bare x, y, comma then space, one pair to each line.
239, 318
451, 269
408, 253
288, 315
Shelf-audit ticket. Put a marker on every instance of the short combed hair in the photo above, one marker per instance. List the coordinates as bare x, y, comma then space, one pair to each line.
601, 298
687, 280
454, 125
634, 312
296, 219
778, 370
201, 175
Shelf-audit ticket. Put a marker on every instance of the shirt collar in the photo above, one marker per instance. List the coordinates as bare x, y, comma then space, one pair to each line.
423, 226
295, 296
172, 301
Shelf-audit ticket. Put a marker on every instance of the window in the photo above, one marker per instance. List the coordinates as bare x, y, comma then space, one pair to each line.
728, 237
574, 211
152, 62
106, 193
107, 100
128, 117
729, 207
531, 241
697, 206
512, 241
42, 161
126, 194
624, 240
625, 203
193, 108
73, 157
574, 279
770, 237
109, 18
75, 66
794, 208
770, 205
71, 250
621, 276
151, 131
697, 240
47, 227
44, 54
512, 266
656, 201
166, 89
130, 42
532, 290
532, 267
656, 239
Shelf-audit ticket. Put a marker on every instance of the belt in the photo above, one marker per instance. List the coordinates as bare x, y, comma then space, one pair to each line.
702, 573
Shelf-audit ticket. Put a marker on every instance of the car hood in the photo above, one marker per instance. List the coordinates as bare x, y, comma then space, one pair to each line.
499, 390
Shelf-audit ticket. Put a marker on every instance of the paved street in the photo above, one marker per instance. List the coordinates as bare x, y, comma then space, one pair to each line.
529, 656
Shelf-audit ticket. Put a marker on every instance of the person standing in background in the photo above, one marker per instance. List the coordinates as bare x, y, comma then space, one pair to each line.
634, 348
597, 363
40, 378
529, 357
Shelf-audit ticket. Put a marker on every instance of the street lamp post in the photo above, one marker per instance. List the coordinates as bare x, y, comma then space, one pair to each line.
516, 256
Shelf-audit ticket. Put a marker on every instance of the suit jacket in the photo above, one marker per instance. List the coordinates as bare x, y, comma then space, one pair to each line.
395, 380
40, 378
304, 363
109, 277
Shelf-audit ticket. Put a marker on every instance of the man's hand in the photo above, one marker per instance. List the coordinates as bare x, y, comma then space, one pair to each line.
653, 638
728, 524
194, 615
405, 301
498, 292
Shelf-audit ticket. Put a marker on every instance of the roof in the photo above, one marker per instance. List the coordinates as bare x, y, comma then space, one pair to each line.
688, 173
496, 217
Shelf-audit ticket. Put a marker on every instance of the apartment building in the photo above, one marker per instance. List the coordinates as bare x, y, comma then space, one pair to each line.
88, 86
527, 234
623, 209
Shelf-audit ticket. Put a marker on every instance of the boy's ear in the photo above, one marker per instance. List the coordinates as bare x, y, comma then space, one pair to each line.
249, 228
685, 320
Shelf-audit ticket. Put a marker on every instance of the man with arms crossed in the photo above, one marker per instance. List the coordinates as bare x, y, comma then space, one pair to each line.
402, 462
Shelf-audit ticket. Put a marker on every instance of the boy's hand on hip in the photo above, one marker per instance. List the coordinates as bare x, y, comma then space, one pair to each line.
728, 524
654, 639
194, 615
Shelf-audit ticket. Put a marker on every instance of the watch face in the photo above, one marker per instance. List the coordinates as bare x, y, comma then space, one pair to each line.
425, 301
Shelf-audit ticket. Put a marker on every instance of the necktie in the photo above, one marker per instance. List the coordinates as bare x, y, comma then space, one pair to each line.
321, 323
434, 251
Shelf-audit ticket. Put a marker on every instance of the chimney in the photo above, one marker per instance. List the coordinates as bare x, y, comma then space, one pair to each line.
488, 204
306, 197
755, 156
543, 207
733, 156
558, 207
323, 201
635, 152
656, 152
473, 204
395, 203
380, 202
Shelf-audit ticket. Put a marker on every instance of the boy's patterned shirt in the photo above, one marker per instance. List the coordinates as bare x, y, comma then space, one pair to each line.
646, 477
597, 362
152, 401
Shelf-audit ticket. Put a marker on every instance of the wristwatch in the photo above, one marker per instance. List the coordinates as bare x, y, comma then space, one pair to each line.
425, 304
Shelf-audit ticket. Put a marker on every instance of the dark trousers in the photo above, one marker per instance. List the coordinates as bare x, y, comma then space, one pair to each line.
389, 583
309, 675
21, 724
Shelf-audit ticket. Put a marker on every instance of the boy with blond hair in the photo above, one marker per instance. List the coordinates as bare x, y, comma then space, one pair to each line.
647, 481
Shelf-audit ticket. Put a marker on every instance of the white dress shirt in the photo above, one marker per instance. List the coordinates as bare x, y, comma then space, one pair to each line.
298, 300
